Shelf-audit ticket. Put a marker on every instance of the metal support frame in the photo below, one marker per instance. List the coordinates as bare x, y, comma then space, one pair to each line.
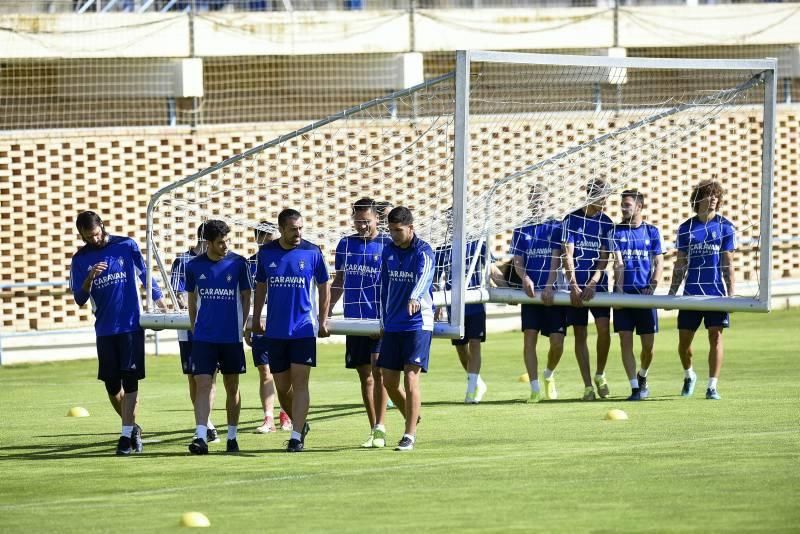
768, 69
767, 178
460, 175
181, 321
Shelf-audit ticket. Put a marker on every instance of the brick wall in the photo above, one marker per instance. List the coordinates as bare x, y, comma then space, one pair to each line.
46, 181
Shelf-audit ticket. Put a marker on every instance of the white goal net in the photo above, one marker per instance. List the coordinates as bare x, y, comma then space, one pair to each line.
507, 142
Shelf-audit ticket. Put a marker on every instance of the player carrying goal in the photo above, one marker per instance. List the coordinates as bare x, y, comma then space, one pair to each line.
705, 260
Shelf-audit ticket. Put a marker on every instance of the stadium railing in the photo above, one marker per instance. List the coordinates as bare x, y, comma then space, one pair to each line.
202, 6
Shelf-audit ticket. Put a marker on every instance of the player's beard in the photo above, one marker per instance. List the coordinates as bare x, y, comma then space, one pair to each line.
103, 241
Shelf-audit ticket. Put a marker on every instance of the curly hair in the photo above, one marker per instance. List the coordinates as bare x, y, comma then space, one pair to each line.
705, 189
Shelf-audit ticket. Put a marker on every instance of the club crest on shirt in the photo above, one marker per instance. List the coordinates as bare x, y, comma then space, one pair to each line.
646, 241
229, 278
375, 257
121, 261
301, 264
713, 235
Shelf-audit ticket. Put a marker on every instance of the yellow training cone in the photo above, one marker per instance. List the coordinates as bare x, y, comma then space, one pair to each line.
616, 415
78, 411
523, 378
194, 519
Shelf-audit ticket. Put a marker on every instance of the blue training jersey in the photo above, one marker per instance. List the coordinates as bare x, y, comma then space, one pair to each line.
177, 273
218, 285
638, 248
536, 243
177, 279
444, 261
115, 292
359, 259
589, 235
289, 275
407, 273
703, 243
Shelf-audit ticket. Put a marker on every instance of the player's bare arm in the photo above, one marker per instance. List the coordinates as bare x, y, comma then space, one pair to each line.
726, 262
678, 272
324, 294
658, 271
192, 310
619, 272
244, 298
337, 288
258, 307
527, 283
591, 286
569, 271
548, 293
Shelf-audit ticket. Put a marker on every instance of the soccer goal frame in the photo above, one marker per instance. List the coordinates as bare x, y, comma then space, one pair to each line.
768, 68
466, 226
453, 328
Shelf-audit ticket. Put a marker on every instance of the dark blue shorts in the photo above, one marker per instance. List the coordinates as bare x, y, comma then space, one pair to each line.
260, 353
641, 320
399, 349
359, 350
580, 316
186, 356
282, 353
690, 319
474, 328
208, 357
545, 319
120, 353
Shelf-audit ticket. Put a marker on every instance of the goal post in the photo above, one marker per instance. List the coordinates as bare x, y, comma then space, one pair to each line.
649, 127
504, 142
385, 149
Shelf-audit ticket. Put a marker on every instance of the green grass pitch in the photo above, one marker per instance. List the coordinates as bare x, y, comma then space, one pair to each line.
676, 465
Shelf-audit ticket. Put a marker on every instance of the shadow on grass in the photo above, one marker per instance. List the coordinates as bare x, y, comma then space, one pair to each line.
105, 449
105, 443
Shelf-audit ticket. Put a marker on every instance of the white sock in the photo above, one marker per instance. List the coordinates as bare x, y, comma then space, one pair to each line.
268, 413
210, 425
643, 372
712, 383
409, 436
232, 431
296, 435
380, 428
599, 376
480, 380
535, 386
472, 382
689, 373
127, 431
635, 383
548, 374
202, 432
